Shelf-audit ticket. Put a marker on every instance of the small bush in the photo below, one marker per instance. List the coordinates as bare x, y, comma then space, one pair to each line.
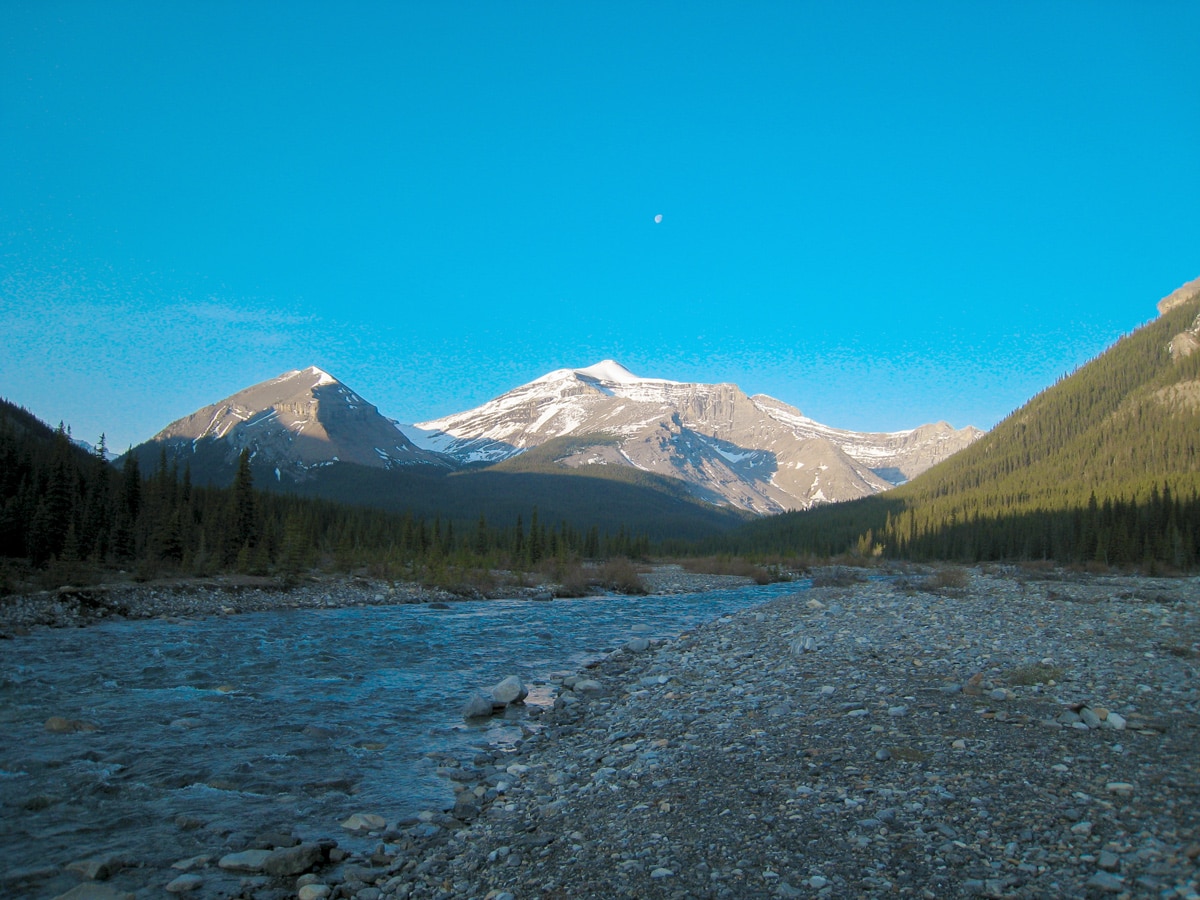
574, 582
837, 576
621, 575
949, 578
460, 580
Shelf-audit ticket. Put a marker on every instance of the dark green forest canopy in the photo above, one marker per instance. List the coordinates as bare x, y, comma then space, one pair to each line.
1103, 466
63, 506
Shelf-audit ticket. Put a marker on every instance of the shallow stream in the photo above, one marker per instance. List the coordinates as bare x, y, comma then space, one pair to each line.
282, 721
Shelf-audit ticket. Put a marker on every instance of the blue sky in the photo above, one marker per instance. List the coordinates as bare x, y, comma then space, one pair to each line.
882, 213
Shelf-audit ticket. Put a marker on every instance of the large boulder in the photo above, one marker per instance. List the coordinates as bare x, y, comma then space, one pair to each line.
510, 690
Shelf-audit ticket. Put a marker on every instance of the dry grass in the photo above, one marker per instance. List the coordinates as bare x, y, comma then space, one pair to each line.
1034, 673
736, 565
837, 576
948, 578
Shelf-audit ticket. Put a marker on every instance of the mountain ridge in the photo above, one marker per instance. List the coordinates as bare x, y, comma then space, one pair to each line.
753, 452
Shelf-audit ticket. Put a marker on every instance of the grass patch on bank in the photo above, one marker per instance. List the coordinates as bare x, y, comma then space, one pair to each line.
1034, 673
759, 573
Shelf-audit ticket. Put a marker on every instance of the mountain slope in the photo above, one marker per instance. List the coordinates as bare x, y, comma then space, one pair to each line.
293, 425
1081, 471
753, 453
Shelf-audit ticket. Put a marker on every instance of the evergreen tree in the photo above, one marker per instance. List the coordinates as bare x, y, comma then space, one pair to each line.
242, 536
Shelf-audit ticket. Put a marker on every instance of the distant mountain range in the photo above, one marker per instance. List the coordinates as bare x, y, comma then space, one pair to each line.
724, 448
753, 453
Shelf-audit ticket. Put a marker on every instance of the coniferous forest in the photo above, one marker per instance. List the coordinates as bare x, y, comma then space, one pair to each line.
70, 513
1103, 467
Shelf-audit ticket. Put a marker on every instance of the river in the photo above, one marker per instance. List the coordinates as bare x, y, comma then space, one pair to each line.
211, 731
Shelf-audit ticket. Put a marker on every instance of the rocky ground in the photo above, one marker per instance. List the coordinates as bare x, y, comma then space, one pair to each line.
1019, 736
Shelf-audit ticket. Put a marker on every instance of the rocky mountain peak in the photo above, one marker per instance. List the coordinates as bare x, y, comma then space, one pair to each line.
297, 421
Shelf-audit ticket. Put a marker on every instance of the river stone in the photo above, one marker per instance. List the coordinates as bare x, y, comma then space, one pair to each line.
293, 860
477, 707
97, 868
1107, 882
360, 822
314, 892
465, 806
185, 883
93, 891
191, 862
588, 686
245, 861
637, 645
510, 690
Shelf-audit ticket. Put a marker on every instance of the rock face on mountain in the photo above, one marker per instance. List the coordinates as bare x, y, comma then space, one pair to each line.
1179, 296
297, 422
756, 453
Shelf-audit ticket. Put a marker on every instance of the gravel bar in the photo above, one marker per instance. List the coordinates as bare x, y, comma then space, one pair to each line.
1016, 738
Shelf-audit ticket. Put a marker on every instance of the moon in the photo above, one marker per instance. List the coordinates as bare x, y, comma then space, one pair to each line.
658, 219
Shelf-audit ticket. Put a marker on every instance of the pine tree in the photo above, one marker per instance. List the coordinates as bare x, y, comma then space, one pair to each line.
243, 514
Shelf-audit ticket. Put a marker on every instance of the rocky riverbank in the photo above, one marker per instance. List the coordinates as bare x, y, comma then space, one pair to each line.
1017, 736
189, 598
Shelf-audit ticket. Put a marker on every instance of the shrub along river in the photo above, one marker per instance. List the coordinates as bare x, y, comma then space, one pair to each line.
210, 731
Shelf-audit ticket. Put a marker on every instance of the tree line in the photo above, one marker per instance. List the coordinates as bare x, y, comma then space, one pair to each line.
61, 506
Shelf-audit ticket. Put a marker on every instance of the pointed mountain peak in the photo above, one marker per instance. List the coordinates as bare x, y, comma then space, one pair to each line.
318, 376
299, 421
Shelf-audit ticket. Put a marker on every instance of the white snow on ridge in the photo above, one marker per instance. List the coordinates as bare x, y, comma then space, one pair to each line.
611, 371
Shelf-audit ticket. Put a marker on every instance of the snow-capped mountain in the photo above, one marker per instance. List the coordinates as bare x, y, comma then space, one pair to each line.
297, 422
756, 453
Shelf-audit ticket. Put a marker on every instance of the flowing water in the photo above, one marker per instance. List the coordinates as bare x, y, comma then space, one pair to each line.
282, 721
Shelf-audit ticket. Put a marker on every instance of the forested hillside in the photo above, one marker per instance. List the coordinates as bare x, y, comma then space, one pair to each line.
1103, 466
70, 515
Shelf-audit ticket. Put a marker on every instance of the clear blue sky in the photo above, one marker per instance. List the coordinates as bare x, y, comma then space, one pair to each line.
882, 213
